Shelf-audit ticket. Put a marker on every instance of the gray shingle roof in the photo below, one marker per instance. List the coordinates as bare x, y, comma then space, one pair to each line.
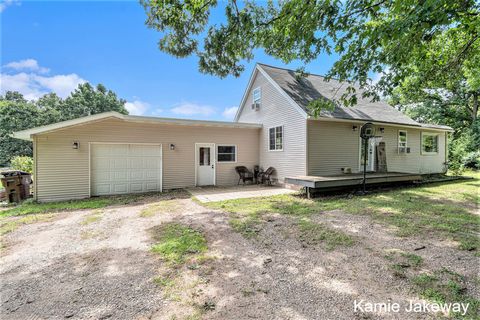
314, 87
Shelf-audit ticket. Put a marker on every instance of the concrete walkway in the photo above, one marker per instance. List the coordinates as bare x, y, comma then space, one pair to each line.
212, 194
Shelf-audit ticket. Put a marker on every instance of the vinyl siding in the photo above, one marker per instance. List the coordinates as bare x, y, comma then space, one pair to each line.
63, 172
333, 145
275, 110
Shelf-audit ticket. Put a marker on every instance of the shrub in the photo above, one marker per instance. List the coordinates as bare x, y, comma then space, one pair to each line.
22, 163
472, 160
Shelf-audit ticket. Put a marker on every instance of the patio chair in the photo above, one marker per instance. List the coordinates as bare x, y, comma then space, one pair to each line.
266, 176
244, 174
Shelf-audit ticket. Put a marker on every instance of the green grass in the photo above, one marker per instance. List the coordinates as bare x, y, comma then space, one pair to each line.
314, 233
445, 210
177, 242
32, 207
166, 206
91, 218
7, 226
444, 286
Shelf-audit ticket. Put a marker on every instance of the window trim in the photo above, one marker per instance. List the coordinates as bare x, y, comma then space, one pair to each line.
283, 138
398, 141
227, 145
421, 143
259, 90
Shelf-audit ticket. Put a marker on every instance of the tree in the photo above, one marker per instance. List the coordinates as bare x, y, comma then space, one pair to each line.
389, 37
87, 100
17, 114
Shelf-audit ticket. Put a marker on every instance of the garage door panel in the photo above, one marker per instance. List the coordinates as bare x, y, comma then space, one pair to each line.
151, 163
125, 168
151, 186
137, 175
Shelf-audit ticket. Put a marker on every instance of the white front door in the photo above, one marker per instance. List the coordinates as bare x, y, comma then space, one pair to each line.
205, 164
370, 155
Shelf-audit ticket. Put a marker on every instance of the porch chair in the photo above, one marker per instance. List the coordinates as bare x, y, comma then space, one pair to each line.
244, 174
266, 176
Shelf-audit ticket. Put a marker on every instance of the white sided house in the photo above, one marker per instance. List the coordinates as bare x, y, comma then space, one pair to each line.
111, 153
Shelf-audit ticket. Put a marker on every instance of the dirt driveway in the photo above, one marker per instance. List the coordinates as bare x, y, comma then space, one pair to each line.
97, 264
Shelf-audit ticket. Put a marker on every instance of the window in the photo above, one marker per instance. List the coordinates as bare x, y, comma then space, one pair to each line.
204, 157
402, 141
227, 153
429, 143
276, 139
257, 95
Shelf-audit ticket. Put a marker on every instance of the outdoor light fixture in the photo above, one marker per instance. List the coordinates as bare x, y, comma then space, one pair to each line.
76, 145
382, 130
172, 146
354, 128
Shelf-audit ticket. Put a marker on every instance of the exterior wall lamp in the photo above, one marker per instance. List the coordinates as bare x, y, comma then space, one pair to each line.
172, 146
382, 130
76, 145
355, 128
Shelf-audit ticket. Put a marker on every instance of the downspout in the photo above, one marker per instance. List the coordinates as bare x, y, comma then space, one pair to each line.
446, 153
35, 176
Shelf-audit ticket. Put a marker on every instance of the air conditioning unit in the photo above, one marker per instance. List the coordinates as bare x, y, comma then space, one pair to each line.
403, 149
256, 106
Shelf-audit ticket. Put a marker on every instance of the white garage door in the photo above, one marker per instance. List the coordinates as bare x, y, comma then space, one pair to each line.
125, 168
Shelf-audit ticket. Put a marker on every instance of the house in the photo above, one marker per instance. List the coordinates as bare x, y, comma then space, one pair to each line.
111, 153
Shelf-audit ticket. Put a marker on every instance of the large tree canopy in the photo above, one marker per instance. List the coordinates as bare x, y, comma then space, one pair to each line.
16, 114
389, 37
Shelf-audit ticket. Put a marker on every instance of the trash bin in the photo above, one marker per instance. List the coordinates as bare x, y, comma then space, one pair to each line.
17, 185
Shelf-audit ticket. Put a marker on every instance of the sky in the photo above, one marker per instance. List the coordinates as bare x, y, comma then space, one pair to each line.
52, 46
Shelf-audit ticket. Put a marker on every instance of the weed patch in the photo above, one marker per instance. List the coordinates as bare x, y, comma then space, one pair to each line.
314, 233
444, 286
177, 242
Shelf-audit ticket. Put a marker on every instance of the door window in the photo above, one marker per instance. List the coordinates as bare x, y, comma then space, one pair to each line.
204, 156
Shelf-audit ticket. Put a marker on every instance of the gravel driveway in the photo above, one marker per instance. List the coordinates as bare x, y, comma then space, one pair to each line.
97, 265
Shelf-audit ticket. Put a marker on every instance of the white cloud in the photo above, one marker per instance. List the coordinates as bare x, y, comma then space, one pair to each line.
61, 84
5, 3
33, 86
190, 109
27, 64
136, 107
229, 113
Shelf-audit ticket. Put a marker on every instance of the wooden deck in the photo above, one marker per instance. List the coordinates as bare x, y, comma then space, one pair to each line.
354, 179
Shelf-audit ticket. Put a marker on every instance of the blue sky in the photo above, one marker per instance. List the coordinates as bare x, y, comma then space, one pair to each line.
53, 46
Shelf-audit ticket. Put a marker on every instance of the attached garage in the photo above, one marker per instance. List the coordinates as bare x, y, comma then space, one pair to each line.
112, 153
125, 168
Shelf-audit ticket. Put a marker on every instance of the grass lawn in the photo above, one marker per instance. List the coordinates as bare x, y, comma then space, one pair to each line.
32, 207
444, 210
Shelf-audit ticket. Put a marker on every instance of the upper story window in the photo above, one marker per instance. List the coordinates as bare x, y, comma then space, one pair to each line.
429, 143
257, 95
402, 141
227, 153
276, 138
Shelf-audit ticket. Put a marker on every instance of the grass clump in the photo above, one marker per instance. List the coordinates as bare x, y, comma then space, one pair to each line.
313, 233
160, 207
248, 226
10, 225
177, 242
402, 261
445, 286
91, 218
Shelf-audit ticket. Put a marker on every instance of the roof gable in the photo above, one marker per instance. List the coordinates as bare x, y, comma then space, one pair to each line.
313, 87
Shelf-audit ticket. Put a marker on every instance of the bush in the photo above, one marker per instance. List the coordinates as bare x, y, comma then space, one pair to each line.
22, 163
472, 160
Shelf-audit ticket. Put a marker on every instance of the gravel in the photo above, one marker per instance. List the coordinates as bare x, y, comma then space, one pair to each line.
63, 269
